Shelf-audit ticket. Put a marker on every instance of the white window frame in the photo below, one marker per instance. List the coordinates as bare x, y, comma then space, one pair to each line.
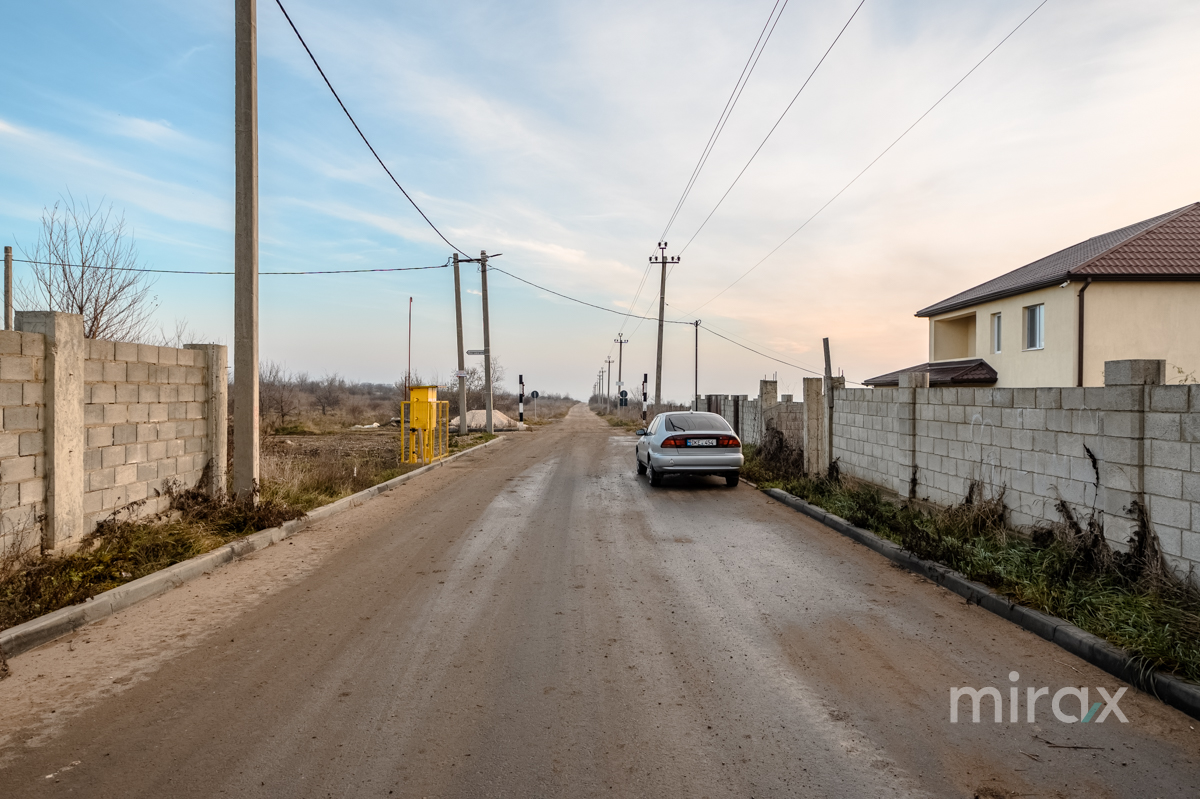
997, 332
1035, 323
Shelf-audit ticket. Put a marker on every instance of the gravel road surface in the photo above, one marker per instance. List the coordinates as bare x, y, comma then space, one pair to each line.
537, 621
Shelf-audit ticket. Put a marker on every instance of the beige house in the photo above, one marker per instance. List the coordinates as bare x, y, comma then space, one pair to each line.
1131, 293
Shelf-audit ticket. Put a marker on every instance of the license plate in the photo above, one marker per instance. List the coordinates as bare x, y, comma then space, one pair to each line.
701, 442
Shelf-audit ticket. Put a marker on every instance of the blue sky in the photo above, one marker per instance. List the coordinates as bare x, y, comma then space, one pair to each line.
561, 134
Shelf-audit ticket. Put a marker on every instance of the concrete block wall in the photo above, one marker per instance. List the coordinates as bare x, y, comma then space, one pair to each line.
1099, 449
22, 441
145, 416
88, 427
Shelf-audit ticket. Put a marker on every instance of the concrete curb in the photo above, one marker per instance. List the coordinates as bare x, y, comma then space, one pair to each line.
1173, 691
43, 629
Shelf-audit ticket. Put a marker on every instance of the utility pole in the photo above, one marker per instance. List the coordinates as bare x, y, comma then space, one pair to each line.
608, 392
462, 361
662, 307
8, 302
696, 385
408, 370
487, 341
245, 250
621, 342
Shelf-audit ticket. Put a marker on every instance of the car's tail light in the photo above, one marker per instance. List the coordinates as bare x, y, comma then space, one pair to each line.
681, 441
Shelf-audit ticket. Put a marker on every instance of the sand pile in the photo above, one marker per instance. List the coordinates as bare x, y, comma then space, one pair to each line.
477, 420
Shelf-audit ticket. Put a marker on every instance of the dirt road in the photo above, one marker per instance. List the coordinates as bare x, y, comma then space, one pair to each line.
538, 621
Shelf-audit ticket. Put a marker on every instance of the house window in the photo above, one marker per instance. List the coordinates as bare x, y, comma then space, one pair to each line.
1035, 327
996, 332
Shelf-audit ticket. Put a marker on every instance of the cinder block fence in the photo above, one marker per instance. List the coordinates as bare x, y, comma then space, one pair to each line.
91, 426
1098, 449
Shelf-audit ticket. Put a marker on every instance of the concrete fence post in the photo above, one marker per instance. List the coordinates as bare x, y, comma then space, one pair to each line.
1123, 438
216, 397
906, 432
816, 457
63, 426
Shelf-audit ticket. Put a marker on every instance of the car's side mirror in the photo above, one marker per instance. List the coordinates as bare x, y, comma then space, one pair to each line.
640, 433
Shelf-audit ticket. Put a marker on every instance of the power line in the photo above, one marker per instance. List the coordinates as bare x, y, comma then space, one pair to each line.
828, 50
768, 357
581, 302
743, 79
197, 272
886, 150
360, 133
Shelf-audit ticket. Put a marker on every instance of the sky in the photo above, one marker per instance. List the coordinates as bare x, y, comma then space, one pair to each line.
562, 136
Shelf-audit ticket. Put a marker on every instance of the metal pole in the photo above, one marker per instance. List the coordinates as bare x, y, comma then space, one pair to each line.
462, 361
696, 385
8, 300
245, 251
645, 379
487, 341
408, 370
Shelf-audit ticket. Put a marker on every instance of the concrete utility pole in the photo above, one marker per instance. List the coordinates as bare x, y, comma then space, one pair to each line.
696, 385
245, 251
828, 431
487, 341
662, 307
8, 302
408, 369
608, 391
462, 360
621, 342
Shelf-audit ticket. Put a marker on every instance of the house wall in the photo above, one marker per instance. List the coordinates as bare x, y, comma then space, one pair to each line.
1124, 320
1054, 365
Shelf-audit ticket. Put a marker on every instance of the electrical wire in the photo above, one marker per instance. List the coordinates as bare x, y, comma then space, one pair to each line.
581, 302
768, 357
360, 133
875, 160
756, 52
727, 111
828, 50
196, 272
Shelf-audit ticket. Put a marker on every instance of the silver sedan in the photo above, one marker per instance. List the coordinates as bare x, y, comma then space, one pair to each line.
689, 442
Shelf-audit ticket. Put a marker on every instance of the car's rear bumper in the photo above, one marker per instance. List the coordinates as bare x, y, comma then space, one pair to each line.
694, 463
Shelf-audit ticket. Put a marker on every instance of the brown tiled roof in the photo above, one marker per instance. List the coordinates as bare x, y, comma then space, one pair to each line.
970, 371
1162, 247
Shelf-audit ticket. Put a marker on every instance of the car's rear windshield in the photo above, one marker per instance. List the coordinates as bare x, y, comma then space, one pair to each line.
687, 422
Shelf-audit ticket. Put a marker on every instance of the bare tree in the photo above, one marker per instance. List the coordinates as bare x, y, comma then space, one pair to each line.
329, 392
86, 262
277, 394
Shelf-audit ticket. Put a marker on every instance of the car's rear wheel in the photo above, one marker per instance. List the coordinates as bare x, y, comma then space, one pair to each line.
641, 466
731, 480
655, 476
